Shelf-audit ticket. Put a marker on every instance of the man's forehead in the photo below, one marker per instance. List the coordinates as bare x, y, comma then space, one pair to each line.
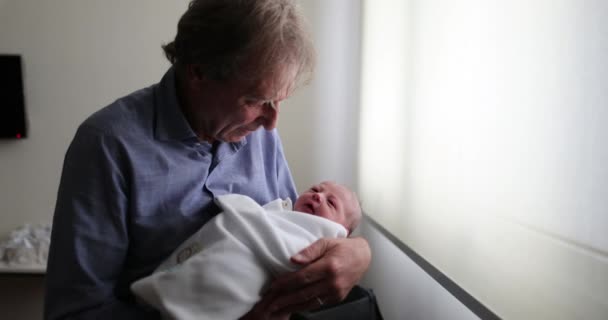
271, 89
277, 83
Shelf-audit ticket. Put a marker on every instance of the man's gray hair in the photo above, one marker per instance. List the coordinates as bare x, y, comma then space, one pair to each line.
243, 38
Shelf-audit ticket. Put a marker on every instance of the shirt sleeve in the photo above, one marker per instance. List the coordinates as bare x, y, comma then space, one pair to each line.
89, 241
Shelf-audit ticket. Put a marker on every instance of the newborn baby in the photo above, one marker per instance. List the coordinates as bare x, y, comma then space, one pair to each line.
221, 270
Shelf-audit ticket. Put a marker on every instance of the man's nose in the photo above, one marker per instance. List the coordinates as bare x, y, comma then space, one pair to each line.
271, 115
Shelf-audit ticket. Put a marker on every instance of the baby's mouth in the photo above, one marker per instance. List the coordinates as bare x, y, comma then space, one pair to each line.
310, 208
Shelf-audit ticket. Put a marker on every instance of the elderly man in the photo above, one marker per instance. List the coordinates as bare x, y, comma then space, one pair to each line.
141, 174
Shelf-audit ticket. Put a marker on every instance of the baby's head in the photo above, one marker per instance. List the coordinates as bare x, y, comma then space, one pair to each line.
332, 201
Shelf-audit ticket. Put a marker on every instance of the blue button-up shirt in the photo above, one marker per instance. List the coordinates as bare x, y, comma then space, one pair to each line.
136, 183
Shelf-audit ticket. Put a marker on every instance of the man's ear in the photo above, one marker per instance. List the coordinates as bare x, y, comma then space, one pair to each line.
194, 71
195, 75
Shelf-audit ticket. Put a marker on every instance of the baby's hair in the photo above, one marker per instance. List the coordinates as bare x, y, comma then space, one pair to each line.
357, 215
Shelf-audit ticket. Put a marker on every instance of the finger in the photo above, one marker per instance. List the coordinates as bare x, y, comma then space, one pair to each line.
256, 313
306, 298
280, 316
261, 309
312, 304
308, 305
312, 252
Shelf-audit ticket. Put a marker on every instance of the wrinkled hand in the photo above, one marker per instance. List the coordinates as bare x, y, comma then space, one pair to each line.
332, 268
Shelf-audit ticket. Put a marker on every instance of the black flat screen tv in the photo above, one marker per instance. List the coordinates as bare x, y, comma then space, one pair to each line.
12, 102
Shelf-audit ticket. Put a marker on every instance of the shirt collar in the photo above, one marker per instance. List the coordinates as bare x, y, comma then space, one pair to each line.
171, 124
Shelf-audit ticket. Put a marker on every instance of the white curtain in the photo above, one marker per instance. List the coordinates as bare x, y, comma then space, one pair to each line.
483, 146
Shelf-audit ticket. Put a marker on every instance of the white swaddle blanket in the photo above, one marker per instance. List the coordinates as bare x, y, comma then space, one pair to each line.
220, 271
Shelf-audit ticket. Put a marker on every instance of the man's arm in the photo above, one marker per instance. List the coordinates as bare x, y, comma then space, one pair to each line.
89, 241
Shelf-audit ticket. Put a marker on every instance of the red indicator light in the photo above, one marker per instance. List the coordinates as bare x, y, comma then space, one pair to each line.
18, 135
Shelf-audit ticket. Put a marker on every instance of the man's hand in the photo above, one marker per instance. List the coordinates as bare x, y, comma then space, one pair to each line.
332, 268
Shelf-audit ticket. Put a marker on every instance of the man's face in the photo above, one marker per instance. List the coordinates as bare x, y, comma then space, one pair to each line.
328, 200
232, 109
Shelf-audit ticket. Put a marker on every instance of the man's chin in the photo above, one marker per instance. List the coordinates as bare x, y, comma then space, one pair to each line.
239, 136
233, 139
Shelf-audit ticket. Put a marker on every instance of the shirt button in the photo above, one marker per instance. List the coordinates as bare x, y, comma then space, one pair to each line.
285, 204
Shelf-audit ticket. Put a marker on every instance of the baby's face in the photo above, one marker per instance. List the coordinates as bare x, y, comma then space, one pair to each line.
328, 200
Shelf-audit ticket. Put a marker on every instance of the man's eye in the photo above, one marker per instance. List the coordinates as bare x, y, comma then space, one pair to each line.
252, 102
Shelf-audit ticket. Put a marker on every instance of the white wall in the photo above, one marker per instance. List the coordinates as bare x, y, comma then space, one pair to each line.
501, 172
78, 56
319, 124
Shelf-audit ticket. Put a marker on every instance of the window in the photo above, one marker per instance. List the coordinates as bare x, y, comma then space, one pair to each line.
483, 146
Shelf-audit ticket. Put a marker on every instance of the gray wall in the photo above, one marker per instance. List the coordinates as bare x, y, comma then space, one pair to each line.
78, 56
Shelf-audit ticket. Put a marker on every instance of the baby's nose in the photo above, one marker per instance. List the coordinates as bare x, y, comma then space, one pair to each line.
317, 196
